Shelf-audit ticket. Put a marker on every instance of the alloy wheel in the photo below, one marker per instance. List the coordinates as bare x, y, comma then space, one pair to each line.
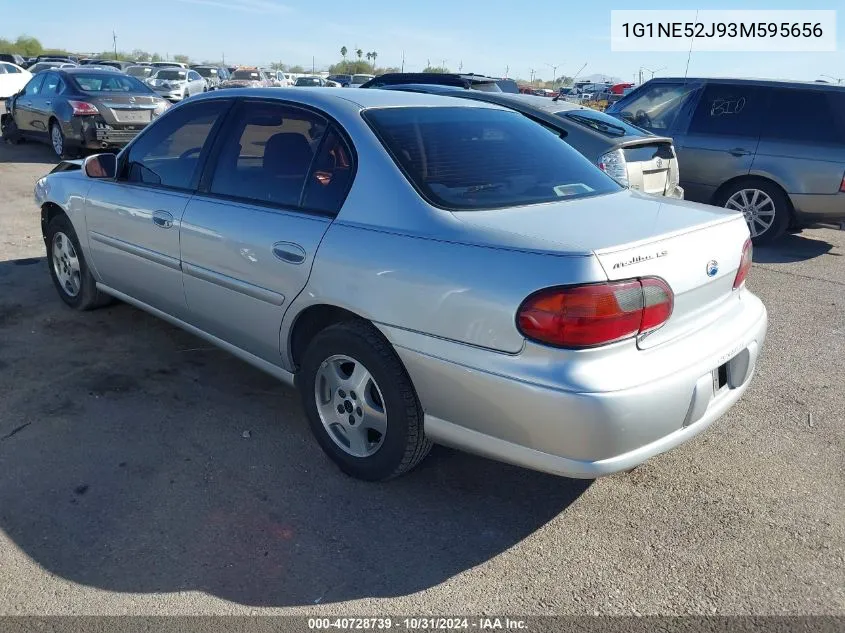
350, 405
56, 138
66, 264
757, 207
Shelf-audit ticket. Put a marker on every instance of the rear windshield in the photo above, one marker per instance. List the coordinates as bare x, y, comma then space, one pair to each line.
139, 71
307, 81
171, 74
207, 72
246, 74
107, 82
360, 79
486, 86
478, 158
508, 85
603, 123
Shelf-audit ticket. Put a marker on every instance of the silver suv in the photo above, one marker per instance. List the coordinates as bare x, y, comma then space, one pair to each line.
774, 150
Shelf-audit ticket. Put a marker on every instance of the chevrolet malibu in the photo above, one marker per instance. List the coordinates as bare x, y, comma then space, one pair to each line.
425, 270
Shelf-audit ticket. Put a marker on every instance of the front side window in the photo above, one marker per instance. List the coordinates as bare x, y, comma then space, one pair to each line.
729, 110
169, 153
33, 88
476, 158
656, 107
268, 153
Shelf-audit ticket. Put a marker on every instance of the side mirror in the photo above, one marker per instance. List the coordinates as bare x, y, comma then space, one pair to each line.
100, 166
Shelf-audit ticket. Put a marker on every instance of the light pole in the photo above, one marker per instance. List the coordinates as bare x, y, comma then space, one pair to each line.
649, 70
554, 68
838, 80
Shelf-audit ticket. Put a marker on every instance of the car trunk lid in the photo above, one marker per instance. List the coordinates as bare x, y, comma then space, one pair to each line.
651, 163
127, 109
634, 235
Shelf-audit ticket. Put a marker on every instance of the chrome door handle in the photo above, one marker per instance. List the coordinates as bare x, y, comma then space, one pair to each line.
738, 151
163, 219
47, 102
289, 252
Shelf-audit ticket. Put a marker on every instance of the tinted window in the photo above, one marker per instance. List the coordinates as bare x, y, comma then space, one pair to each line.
246, 74
330, 177
51, 84
267, 154
729, 110
34, 86
11, 69
108, 82
171, 74
479, 158
805, 116
508, 85
603, 123
169, 152
139, 71
207, 72
193, 76
656, 106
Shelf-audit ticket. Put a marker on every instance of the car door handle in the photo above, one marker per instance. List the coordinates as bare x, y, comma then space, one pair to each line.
163, 219
738, 151
47, 102
289, 252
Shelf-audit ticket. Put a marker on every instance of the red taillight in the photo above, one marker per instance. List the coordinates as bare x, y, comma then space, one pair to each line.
842, 184
596, 314
744, 264
82, 108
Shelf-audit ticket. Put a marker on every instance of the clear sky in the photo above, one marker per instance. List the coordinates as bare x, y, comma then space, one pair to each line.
485, 36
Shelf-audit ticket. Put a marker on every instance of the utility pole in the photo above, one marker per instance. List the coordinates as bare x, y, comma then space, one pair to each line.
507, 68
578, 73
224, 59
312, 64
554, 68
532, 77
443, 65
403, 61
114, 41
460, 65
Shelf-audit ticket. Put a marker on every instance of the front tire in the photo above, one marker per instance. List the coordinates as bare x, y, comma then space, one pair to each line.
10, 131
68, 268
765, 207
361, 404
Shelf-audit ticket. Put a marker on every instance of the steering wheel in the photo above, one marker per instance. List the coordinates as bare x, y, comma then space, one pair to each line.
188, 152
642, 119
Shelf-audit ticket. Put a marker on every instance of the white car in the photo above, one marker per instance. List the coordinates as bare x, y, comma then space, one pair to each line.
359, 80
12, 79
175, 84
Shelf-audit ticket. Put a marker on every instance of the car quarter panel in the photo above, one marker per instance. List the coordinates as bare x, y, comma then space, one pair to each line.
67, 190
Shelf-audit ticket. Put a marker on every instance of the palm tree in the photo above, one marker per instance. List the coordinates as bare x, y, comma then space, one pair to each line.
343, 52
359, 53
369, 56
374, 54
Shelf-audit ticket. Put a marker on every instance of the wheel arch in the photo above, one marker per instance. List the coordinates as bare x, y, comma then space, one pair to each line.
50, 210
716, 199
312, 320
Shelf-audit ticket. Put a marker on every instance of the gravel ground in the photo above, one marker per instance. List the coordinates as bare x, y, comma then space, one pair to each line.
128, 486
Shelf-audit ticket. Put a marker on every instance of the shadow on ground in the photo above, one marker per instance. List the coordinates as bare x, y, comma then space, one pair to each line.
126, 467
791, 248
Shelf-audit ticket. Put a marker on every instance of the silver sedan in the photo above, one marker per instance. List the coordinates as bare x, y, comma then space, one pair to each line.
424, 269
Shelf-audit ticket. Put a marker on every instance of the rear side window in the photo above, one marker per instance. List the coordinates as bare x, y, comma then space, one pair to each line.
168, 153
729, 110
268, 154
52, 85
331, 176
34, 86
478, 158
805, 116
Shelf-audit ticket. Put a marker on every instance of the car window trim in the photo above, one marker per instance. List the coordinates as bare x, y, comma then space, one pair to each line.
202, 160
204, 186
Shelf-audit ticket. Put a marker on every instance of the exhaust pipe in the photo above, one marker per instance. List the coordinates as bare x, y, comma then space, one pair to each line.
104, 145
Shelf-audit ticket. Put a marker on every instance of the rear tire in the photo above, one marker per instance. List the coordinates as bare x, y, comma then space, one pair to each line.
765, 206
68, 268
388, 397
10, 131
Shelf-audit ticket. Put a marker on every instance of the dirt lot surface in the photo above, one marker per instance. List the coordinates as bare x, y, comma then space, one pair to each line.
128, 486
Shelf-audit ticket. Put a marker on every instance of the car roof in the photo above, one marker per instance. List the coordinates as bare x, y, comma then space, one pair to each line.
343, 97
794, 83
80, 70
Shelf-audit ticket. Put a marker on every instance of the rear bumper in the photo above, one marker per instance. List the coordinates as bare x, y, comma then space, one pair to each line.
818, 208
88, 133
500, 410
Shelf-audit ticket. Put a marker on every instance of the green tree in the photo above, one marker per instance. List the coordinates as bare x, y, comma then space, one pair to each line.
182, 59
369, 56
155, 57
374, 55
359, 53
436, 69
141, 56
343, 52
28, 45
278, 66
6, 46
296, 69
